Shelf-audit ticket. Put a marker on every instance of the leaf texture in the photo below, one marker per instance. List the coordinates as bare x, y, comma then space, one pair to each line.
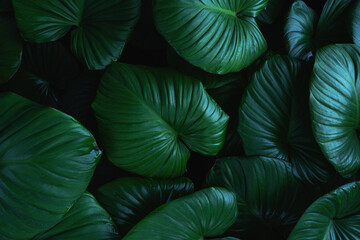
148, 118
46, 162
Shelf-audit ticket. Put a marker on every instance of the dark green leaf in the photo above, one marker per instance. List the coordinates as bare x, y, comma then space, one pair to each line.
46, 162
128, 200
217, 36
335, 216
85, 220
274, 119
101, 27
355, 23
46, 71
334, 102
268, 195
148, 118
10, 47
208, 212
271, 11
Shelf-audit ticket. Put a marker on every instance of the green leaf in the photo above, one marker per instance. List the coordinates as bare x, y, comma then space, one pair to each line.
268, 195
274, 119
101, 28
300, 27
217, 36
208, 212
10, 47
46, 162
355, 23
335, 216
149, 119
85, 220
46, 71
334, 103
305, 33
128, 200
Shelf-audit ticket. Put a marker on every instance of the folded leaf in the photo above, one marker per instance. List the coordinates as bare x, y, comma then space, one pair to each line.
46, 162
128, 200
335, 216
208, 212
217, 36
85, 220
10, 47
334, 103
101, 28
268, 195
274, 119
150, 118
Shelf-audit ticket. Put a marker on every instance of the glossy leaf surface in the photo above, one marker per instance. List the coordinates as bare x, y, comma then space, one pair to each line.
274, 119
128, 200
86, 220
335, 216
208, 212
148, 118
217, 36
46, 162
268, 195
10, 47
101, 28
335, 109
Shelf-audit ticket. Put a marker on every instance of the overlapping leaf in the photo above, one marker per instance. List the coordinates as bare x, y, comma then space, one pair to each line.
217, 36
274, 119
46, 162
305, 32
128, 200
335, 216
10, 47
101, 27
85, 220
335, 109
268, 195
148, 118
208, 212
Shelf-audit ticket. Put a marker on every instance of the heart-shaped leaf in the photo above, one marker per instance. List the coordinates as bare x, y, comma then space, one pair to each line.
101, 28
148, 118
128, 200
46, 162
217, 36
208, 212
274, 119
335, 216
335, 108
305, 32
10, 47
85, 220
268, 195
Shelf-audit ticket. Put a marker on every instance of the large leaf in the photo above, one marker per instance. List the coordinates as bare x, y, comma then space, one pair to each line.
10, 47
335, 216
46, 162
305, 32
148, 118
208, 212
335, 108
85, 220
101, 28
128, 200
217, 36
274, 119
268, 196
46, 71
